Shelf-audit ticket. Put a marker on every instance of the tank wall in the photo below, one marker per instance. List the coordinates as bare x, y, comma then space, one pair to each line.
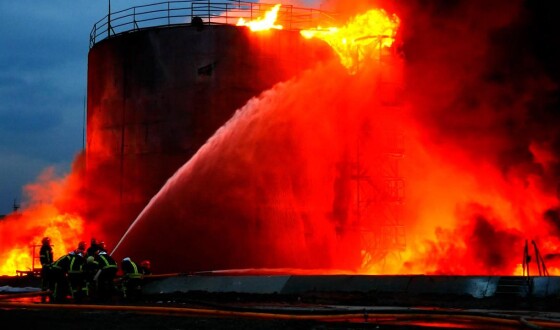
155, 96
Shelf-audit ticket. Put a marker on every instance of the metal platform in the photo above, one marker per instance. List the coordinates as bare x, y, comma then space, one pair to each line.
408, 285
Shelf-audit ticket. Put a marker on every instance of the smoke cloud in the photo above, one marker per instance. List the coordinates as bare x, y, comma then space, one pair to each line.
483, 97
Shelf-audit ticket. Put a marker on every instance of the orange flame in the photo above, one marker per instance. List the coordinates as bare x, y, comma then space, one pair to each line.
42, 221
261, 24
44, 216
361, 39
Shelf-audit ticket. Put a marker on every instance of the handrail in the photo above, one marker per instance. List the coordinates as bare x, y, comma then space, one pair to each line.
172, 13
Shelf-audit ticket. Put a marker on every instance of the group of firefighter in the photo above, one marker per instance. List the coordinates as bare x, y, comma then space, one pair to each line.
89, 273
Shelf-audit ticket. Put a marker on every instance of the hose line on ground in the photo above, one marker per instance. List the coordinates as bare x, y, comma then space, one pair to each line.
386, 316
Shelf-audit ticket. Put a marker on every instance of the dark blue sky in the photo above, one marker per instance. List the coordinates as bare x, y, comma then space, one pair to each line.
43, 77
43, 69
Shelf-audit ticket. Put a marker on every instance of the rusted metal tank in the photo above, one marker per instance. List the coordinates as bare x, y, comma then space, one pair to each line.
156, 94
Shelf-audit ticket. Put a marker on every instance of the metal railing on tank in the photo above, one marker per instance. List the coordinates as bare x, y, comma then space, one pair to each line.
171, 13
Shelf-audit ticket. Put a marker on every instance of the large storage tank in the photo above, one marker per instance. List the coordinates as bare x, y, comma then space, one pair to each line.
156, 94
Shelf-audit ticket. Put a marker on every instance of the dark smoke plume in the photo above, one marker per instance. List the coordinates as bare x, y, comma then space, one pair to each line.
483, 89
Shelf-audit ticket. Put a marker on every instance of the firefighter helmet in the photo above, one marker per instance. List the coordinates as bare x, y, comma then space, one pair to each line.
46, 240
82, 245
146, 264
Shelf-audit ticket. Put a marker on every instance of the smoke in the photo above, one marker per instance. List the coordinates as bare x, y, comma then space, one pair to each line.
483, 103
478, 84
52, 209
68, 208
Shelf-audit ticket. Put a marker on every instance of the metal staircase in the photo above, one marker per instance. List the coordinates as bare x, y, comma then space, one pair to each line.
513, 286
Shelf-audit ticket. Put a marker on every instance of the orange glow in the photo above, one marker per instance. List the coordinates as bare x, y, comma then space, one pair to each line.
50, 210
61, 228
263, 23
475, 225
361, 39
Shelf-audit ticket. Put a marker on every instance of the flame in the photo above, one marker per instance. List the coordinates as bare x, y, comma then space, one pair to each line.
15, 258
261, 24
48, 212
361, 39
481, 220
40, 221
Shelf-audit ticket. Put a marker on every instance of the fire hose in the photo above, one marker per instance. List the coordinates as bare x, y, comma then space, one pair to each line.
384, 316
23, 295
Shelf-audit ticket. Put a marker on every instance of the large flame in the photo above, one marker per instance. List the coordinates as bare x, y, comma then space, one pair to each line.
40, 221
54, 209
361, 39
263, 23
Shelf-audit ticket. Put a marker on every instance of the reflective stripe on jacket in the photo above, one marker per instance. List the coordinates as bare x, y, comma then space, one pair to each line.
130, 269
107, 262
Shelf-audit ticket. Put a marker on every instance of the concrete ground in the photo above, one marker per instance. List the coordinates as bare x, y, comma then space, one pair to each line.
241, 302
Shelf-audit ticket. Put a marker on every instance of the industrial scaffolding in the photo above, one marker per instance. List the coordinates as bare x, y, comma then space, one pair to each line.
379, 188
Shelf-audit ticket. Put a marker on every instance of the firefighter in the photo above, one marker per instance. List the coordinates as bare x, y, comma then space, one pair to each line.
76, 275
46, 258
131, 279
58, 277
106, 273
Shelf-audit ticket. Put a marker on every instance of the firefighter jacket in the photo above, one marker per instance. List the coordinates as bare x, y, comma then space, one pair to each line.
130, 269
77, 261
62, 263
105, 261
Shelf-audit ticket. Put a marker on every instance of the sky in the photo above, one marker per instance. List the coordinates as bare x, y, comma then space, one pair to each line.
43, 69
43, 85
